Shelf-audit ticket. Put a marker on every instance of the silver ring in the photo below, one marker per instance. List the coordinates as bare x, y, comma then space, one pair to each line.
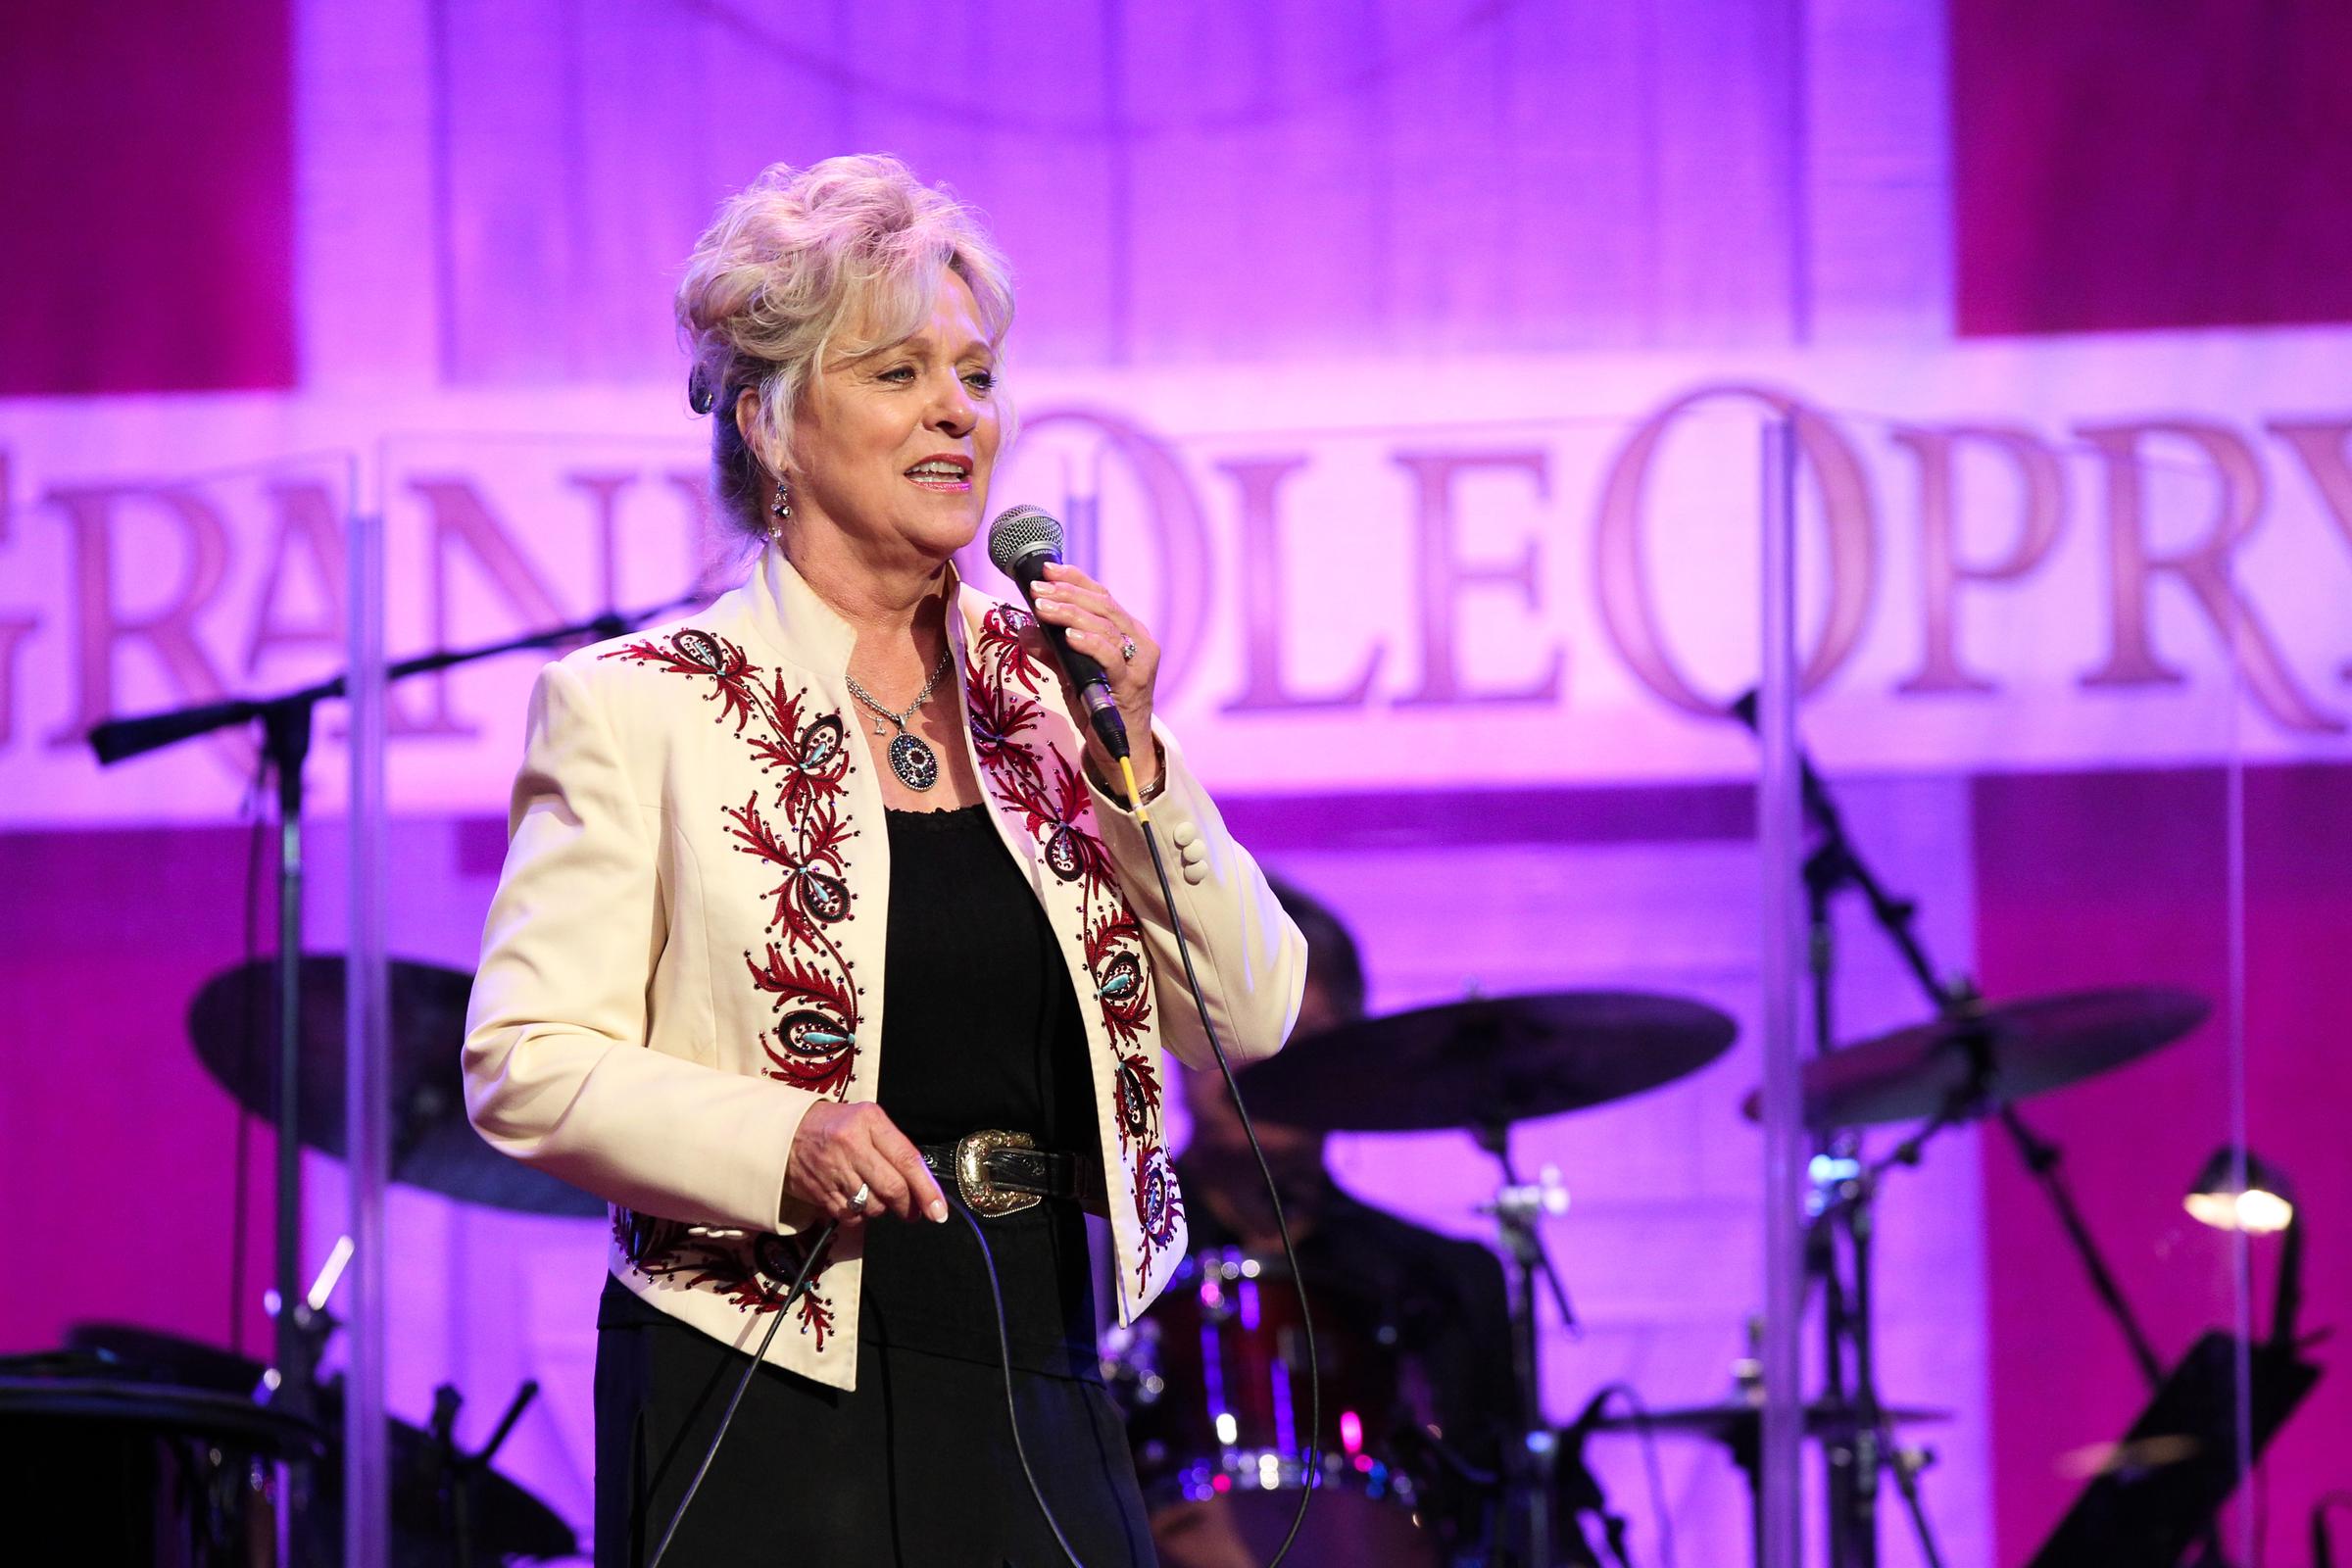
858, 1198
1127, 648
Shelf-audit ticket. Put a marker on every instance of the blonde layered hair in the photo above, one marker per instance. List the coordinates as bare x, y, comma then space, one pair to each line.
779, 277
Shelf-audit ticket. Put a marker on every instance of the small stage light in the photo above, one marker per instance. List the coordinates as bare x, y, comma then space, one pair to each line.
2241, 1192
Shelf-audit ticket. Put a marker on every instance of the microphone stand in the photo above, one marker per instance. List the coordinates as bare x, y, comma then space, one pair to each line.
1529, 1465
460, 1470
1847, 1189
286, 722
1851, 1495
1955, 1002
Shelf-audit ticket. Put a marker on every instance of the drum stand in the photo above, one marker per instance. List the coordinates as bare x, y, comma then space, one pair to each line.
1846, 1189
1847, 1193
1530, 1530
458, 1469
1844, 1203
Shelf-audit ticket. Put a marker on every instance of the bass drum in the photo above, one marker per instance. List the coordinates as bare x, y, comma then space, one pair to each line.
105, 1470
1214, 1381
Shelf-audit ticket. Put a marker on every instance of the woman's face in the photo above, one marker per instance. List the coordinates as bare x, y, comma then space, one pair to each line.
893, 445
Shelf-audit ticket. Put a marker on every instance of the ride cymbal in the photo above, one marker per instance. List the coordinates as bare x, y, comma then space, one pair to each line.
1995, 1053
233, 1023
1488, 1061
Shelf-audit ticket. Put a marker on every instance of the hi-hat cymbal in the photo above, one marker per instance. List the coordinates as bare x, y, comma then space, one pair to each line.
1486, 1062
233, 1023
1995, 1053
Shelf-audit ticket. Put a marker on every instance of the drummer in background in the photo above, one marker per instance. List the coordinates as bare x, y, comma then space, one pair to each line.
1447, 1296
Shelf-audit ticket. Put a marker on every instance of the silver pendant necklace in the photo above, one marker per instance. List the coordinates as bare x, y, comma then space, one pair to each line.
910, 756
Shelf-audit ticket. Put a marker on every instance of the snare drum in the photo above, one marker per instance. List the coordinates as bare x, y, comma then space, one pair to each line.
1215, 1380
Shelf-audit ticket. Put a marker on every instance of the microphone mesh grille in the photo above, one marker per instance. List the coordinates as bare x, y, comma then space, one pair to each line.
1018, 530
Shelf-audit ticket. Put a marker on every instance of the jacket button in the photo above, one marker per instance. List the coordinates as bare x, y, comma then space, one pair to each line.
1195, 872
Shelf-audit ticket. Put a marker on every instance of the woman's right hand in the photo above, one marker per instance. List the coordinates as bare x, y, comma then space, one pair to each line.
840, 1148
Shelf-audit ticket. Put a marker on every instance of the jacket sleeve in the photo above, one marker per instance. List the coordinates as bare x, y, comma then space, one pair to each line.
1250, 957
558, 1070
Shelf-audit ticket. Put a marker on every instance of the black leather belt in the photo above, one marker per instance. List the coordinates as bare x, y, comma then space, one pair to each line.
1002, 1173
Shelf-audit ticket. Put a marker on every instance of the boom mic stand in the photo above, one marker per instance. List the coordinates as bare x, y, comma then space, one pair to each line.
286, 722
1847, 1191
1854, 1535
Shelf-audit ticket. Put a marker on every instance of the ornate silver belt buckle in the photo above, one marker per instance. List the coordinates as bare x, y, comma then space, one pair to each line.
980, 1195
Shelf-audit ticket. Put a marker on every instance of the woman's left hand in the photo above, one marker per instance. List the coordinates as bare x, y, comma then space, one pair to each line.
1122, 645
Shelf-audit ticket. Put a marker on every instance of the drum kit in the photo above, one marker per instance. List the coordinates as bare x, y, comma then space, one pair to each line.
209, 1476
1213, 1376
197, 1456
1486, 1066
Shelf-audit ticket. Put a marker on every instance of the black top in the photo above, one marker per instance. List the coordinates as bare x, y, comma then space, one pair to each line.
980, 1029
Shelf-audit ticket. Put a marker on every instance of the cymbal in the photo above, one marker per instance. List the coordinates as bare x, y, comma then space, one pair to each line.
2028, 1046
1736, 1421
233, 1024
1486, 1062
503, 1519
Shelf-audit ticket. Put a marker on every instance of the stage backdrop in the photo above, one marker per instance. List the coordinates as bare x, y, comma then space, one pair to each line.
1405, 365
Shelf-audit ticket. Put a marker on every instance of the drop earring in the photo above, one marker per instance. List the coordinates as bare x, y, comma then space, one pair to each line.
782, 505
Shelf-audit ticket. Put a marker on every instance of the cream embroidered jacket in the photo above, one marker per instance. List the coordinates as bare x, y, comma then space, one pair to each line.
686, 947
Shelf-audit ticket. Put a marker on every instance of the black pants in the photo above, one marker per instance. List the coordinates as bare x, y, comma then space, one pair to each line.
915, 1469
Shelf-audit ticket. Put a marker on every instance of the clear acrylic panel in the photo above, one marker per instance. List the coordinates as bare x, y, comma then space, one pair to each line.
186, 742
1598, 838
488, 539
2287, 796
2026, 949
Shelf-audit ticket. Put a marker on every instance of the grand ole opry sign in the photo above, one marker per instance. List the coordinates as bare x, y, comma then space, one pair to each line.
1383, 574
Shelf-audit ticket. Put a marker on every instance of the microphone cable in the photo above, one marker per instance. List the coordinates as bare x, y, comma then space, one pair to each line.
1313, 1470
800, 1287
1313, 1475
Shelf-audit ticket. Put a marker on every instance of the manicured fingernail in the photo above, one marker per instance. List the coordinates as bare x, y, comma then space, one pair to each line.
938, 1212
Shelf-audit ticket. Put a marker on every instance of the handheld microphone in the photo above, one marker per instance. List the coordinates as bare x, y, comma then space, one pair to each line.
1022, 542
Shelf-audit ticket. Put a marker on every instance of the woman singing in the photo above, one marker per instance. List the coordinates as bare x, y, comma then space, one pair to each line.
815, 891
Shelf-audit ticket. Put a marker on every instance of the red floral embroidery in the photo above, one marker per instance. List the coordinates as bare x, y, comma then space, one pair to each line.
1158, 1207
815, 892
808, 1048
1122, 984
693, 652
754, 1277
1056, 809
1002, 643
807, 978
